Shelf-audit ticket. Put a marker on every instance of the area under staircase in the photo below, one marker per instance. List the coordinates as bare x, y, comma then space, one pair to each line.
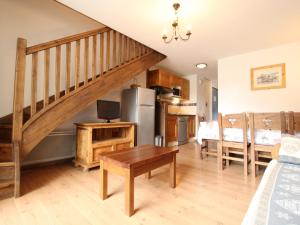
56, 80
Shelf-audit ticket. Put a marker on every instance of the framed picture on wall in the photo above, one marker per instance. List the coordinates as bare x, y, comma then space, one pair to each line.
268, 77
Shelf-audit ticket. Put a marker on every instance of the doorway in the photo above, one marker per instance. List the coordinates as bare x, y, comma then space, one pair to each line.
214, 103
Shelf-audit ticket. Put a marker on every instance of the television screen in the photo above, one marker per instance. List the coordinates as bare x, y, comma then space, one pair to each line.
108, 110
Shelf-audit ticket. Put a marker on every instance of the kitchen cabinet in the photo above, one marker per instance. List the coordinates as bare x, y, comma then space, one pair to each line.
159, 78
171, 128
191, 127
185, 89
164, 78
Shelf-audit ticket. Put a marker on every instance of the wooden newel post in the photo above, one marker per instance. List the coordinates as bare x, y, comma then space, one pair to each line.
18, 106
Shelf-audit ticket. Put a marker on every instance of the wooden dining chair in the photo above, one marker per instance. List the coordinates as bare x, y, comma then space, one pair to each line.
261, 152
205, 150
233, 150
293, 122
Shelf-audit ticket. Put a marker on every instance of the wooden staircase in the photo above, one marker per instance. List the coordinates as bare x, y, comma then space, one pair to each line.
86, 66
7, 163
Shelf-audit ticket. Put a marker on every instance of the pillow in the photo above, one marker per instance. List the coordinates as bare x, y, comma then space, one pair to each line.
289, 151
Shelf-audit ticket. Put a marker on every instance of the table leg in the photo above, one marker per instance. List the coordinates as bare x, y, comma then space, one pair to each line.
129, 193
148, 175
173, 172
103, 181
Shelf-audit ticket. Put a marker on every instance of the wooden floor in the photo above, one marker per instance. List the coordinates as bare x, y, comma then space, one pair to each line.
62, 194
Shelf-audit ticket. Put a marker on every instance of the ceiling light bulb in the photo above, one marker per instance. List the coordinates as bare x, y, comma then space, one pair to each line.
201, 65
164, 34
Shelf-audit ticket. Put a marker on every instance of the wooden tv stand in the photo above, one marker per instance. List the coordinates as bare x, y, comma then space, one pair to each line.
93, 139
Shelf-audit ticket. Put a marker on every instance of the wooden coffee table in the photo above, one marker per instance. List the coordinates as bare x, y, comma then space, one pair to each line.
134, 162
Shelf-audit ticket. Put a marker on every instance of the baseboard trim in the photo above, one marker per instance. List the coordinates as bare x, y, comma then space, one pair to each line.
47, 162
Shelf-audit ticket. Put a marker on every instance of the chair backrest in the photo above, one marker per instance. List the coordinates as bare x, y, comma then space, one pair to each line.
233, 121
266, 121
293, 122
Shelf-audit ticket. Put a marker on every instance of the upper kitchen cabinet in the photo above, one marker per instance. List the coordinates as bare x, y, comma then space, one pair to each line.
185, 89
166, 79
159, 78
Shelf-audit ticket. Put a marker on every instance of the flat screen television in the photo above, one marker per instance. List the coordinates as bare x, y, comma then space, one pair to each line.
108, 110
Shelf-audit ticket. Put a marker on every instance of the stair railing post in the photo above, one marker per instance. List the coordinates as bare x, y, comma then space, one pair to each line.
18, 106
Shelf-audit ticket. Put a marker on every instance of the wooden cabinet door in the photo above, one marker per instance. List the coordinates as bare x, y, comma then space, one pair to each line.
164, 79
171, 129
191, 127
185, 89
152, 78
175, 81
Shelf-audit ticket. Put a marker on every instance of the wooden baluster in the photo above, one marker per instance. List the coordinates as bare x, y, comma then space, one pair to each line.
120, 49
114, 49
136, 49
107, 50
101, 58
34, 82
57, 72
125, 49
86, 59
133, 49
142, 50
68, 70
18, 106
139, 50
129, 49
46, 76
77, 64
94, 57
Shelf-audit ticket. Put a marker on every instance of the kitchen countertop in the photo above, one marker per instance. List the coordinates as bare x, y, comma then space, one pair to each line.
171, 114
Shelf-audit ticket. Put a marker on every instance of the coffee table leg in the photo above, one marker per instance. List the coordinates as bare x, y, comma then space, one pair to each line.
173, 172
103, 181
129, 193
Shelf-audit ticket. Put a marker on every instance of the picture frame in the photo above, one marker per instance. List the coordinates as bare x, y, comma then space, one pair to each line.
268, 77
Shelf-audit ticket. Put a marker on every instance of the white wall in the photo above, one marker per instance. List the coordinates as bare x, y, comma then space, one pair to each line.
204, 101
235, 94
201, 93
193, 87
38, 22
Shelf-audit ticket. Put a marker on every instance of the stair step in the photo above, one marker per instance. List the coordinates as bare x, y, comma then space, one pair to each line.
5, 140
6, 182
6, 126
5, 145
7, 164
6, 192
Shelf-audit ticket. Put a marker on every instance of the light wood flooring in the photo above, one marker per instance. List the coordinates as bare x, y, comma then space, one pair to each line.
62, 194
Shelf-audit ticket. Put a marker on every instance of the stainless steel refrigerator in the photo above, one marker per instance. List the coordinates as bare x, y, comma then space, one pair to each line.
138, 106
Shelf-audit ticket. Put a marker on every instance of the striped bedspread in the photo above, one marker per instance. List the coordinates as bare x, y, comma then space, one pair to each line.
277, 200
